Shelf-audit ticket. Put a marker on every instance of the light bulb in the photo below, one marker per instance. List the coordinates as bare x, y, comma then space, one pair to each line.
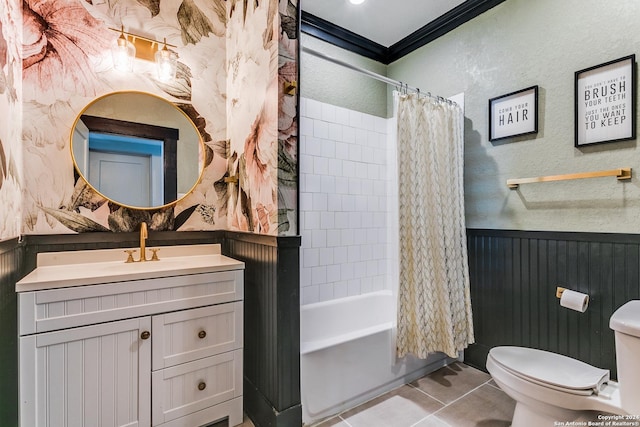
356, 1
123, 53
166, 63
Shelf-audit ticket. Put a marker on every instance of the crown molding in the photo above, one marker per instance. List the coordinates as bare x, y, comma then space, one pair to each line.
348, 40
341, 37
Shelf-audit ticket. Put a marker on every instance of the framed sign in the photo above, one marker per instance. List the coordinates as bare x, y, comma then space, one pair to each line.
513, 114
605, 102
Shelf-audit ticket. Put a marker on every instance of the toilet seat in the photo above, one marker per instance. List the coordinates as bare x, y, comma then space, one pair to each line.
552, 402
551, 370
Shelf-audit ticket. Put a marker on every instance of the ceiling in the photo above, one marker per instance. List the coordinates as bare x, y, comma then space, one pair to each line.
386, 30
382, 21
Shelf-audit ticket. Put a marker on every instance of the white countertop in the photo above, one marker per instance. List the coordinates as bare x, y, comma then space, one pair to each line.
77, 268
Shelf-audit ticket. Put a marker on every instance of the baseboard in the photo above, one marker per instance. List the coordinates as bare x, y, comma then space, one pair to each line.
263, 414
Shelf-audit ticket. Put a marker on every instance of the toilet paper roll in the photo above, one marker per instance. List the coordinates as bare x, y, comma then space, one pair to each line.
574, 300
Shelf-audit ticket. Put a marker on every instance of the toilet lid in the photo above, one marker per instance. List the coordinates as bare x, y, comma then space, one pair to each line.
550, 369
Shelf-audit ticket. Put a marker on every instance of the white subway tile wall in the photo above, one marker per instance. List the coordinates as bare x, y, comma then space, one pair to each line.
344, 202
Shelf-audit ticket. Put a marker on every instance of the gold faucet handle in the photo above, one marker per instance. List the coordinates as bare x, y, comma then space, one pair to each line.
130, 257
154, 256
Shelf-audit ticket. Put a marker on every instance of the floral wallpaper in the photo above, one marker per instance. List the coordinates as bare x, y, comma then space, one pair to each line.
228, 83
265, 201
10, 92
251, 115
288, 120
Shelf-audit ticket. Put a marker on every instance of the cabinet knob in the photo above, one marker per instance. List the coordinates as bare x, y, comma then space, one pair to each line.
202, 334
145, 335
202, 386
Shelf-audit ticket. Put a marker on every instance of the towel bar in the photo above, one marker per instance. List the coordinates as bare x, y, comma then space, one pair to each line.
620, 173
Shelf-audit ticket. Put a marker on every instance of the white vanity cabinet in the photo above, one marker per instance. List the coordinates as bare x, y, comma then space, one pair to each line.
145, 344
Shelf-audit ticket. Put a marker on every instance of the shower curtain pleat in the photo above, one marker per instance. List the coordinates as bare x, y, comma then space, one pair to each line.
434, 302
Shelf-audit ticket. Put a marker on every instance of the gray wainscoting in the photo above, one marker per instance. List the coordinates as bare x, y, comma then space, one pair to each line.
514, 275
11, 255
272, 327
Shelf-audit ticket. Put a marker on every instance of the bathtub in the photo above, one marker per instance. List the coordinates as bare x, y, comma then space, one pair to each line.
347, 354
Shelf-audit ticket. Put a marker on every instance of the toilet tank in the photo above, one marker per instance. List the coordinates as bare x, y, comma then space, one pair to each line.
625, 322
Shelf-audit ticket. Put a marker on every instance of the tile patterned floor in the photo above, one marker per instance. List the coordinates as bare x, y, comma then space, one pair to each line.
454, 396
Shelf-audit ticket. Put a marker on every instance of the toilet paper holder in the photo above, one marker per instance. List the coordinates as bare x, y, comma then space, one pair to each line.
573, 300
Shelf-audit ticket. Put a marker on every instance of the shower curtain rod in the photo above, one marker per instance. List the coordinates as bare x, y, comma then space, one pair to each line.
387, 80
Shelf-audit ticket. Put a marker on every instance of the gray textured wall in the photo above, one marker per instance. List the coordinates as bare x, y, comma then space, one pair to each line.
518, 44
515, 45
327, 82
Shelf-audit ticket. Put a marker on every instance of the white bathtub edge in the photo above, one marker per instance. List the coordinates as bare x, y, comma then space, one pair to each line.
385, 292
307, 347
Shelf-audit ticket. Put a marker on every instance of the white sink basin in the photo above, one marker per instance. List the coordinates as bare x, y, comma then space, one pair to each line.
75, 268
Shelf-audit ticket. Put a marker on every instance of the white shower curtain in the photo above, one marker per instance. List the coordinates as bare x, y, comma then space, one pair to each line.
434, 303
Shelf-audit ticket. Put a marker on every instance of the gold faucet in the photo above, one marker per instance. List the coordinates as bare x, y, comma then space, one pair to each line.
143, 239
143, 249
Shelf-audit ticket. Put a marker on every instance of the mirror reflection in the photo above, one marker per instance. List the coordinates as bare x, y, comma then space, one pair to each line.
137, 149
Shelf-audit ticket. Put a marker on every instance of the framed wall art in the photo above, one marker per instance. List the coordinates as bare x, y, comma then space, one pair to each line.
605, 102
513, 114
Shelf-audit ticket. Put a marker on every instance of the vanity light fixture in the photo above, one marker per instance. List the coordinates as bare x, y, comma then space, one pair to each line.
356, 1
129, 46
166, 63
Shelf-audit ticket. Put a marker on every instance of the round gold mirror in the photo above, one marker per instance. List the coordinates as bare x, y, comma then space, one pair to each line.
137, 150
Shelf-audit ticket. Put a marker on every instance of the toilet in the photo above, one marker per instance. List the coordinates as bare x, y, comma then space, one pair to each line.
550, 388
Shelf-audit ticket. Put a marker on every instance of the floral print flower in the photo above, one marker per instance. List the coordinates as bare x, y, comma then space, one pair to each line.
60, 39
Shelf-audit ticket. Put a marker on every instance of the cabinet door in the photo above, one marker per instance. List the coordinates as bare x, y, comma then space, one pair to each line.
91, 376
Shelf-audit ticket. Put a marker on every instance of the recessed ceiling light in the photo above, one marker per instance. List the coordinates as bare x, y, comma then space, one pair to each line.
356, 1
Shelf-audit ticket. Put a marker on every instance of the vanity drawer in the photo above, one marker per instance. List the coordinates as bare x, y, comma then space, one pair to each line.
184, 389
187, 335
53, 309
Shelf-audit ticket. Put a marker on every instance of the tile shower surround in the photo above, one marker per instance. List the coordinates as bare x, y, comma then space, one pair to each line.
343, 202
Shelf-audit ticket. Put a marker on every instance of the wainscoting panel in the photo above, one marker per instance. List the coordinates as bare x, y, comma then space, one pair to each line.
514, 275
272, 326
11, 255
